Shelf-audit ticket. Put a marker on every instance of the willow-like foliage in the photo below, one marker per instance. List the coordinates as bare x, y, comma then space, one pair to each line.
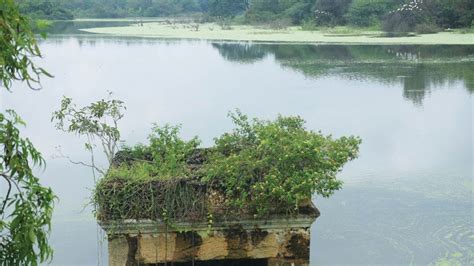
18, 48
26, 206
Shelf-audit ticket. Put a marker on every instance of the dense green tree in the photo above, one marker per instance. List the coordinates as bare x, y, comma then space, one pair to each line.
203, 5
427, 16
299, 11
332, 12
131, 8
406, 17
369, 12
25, 206
227, 8
443, 13
111, 8
268, 10
451, 13
45, 9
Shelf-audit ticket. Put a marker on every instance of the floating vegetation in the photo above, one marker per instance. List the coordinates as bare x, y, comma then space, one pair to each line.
210, 31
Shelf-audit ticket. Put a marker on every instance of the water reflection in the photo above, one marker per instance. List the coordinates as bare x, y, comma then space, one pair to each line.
408, 198
241, 52
420, 69
73, 27
437, 232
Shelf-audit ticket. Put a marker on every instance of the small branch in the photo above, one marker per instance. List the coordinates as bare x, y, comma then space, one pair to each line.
92, 166
8, 193
87, 165
10, 181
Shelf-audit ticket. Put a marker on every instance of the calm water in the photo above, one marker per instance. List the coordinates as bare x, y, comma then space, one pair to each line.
407, 199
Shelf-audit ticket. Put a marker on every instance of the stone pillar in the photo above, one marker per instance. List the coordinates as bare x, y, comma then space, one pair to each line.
284, 242
120, 248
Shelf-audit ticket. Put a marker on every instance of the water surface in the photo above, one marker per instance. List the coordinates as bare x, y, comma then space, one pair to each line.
406, 200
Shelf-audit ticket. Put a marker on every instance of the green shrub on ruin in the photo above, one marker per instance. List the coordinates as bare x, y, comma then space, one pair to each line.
260, 167
164, 157
270, 166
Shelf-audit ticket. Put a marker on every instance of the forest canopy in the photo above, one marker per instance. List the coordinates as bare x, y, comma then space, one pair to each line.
388, 14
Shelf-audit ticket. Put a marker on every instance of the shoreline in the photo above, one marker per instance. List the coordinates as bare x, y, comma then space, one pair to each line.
210, 31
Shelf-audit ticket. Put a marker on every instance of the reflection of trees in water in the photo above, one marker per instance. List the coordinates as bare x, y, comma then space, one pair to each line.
416, 86
310, 52
418, 68
423, 78
418, 80
242, 53
93, 40
73, 27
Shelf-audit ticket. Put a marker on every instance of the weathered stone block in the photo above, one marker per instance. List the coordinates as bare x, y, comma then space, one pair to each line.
147, 242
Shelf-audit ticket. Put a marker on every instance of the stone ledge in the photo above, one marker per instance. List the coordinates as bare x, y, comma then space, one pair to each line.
278, 239
150, 226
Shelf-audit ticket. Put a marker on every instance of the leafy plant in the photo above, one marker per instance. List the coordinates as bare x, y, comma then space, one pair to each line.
271, 165
261, 167
27, 207
135, 171
98, 122
169, 151
18, 47
164, 157
156, 177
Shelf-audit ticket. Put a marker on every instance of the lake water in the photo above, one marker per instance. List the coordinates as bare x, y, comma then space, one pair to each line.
408, 199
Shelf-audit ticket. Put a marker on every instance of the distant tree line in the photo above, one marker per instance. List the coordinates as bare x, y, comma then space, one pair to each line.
113, 8
44, 9
392, 15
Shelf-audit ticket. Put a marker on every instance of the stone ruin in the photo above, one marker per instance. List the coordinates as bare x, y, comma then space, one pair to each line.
273, 241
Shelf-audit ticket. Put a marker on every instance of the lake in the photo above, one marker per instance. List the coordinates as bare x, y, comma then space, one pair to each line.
408, 199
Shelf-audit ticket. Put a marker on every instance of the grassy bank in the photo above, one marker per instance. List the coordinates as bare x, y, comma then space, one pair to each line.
211, 31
